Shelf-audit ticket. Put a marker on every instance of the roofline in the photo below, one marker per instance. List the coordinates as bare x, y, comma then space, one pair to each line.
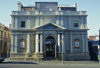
45, 2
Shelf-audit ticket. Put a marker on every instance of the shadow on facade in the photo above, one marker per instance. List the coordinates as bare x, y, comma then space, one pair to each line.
93, 51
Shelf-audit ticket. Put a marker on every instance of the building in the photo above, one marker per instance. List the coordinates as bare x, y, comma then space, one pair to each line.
93, 37
93, 49
5, 39
48, 30
93, 43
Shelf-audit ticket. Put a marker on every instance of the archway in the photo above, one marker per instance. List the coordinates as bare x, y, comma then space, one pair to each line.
50, 46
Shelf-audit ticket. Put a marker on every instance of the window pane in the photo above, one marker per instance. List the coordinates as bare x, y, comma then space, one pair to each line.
22, 23
75, 23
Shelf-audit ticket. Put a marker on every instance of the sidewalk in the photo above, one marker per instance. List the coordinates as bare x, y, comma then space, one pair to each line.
50, 62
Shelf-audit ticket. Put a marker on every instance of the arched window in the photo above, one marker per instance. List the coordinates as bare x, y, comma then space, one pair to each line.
76, 43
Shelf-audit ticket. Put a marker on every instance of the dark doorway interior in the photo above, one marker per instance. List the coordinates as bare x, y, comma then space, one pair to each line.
50, 46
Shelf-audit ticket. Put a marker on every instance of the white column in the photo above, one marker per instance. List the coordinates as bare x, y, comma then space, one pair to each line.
16, 23
37, 43
28, 43
12, 43
70, 25
16, 43
57, 21
37, 22
41, 20
63, 44
86, 43
12, 22
28, 23
71, 47
41, 44
59, 44
83, 41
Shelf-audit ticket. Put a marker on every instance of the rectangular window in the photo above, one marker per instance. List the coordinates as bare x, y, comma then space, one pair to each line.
75, 23
22, 23
5, 34
1, 34
8, 35
0, 44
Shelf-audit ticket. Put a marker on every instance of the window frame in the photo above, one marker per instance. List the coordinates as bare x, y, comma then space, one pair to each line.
23, 25
20, 45
77, 43
76, 24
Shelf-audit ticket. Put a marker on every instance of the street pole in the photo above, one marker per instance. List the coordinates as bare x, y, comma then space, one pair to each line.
38, 52
62, 53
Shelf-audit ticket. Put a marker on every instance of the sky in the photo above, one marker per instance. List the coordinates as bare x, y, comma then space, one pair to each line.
91, 6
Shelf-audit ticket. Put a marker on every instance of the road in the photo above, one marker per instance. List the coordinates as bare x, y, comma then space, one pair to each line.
10, 65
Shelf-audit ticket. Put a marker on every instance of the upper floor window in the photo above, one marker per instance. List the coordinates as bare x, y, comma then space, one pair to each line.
75, 23
1, 34
5, 34
22, 23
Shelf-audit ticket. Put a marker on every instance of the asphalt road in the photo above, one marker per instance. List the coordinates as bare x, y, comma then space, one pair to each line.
10, 65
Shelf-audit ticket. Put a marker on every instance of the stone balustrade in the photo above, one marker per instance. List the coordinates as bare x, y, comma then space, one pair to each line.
49, 13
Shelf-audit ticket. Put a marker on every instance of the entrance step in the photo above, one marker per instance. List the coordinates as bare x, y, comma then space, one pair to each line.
49, 58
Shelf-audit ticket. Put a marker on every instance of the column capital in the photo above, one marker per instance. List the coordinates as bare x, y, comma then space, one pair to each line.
39, 32
60, 33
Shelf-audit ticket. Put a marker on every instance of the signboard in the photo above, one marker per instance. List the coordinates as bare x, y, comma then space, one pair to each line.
77, 45
22, 43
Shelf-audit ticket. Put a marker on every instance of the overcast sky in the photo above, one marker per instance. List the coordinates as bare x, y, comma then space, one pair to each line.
91, 6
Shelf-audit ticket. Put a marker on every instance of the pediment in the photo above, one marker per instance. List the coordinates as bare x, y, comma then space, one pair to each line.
49, 26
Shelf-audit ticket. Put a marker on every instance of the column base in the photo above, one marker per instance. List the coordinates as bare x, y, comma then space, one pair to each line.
39, 55
59, 57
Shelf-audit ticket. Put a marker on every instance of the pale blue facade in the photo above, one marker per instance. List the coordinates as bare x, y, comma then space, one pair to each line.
49, 30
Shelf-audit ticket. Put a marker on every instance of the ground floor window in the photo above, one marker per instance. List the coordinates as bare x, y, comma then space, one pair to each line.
76, 43
22, 43
0, 44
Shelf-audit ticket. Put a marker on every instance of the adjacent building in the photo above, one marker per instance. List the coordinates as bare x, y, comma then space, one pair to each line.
49, 30
5, 39
93, 37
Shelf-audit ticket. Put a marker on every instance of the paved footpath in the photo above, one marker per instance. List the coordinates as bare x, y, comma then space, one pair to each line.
46, 65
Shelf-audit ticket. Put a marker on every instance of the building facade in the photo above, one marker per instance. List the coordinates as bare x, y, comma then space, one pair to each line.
5, 39
49, 30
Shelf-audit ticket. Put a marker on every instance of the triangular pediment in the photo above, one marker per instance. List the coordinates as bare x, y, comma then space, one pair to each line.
50, 26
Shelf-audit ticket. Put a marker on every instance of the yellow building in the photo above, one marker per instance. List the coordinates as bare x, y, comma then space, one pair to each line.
5, 39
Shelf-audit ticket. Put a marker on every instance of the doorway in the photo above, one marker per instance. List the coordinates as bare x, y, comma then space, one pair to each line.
50, 46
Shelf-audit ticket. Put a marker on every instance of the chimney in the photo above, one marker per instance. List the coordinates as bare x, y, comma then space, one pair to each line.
19, 5
75, 5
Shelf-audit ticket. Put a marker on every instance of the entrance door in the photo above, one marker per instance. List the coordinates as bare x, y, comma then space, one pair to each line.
50, 46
